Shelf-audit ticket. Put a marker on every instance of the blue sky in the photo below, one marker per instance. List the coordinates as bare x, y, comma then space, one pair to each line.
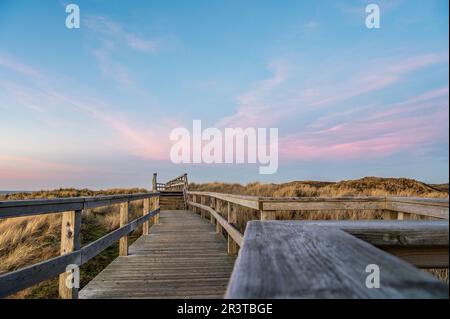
94, 107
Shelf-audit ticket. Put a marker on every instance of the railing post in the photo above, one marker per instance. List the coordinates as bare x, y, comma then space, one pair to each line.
389, 215
154, 182
70, 241
213, 206
194, 199
156, 206
203, 202
145, 211
123, 242
268, 214
232, 220
218, 210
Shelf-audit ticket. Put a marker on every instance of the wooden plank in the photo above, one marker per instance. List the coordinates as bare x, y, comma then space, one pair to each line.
18, 280
231, 230
267, 215
70, 241
421, 243
423, 207
21, 208
145, 211
93, 249
324, 204
233, 248
310, 261
182, 257
123, 242
242, 200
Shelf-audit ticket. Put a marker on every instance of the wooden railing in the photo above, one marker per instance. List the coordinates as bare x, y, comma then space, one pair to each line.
179, 183
72, 254
423, 243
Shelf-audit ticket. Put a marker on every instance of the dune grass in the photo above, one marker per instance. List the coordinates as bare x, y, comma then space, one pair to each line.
28, 240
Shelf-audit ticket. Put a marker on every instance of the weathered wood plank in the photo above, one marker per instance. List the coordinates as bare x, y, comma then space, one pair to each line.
182, 257
231, 230
308, 261
437, 208
123, 242
70, 241
242, 200
421, 243
18, 280
21, 208
145, 211
233, 248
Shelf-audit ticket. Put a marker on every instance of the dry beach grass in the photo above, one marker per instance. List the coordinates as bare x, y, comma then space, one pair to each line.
28, 240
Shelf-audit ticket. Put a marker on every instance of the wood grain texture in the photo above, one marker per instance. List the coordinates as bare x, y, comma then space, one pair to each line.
145, 211
182, 257
230, 229
233, 248
20, 208
70, 241
123, 242
20, 279
421, 243
281, 260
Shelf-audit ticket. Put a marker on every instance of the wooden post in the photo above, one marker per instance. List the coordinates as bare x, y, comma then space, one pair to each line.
194, 199
123, 242
156, 206
203, 202
218, 210
70, 241
214, 206
232, 219
268, 215
145, 211
154, 181
389, 215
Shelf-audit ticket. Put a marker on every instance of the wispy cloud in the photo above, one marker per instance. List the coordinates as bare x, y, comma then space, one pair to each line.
12, 64
365, 131
277, 98
411, 125
116, 33
129, 137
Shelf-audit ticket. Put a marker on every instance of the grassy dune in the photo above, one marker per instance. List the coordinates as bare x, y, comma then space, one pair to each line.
28, 240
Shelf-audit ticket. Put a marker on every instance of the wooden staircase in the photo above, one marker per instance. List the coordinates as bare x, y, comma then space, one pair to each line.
172, 200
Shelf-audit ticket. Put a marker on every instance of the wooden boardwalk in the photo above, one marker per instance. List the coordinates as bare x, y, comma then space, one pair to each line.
183, 257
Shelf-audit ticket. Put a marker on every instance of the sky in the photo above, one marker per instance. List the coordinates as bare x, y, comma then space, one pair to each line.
94, 107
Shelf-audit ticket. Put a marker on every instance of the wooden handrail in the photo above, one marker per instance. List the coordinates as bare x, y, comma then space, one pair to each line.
71, 252
333, 264
18, 280
20, 208
231, 230
421, 243
437, 208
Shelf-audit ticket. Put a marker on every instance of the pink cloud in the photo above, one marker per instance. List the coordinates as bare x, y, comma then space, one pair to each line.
145, 143
118, 36
14, 65
375, 134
